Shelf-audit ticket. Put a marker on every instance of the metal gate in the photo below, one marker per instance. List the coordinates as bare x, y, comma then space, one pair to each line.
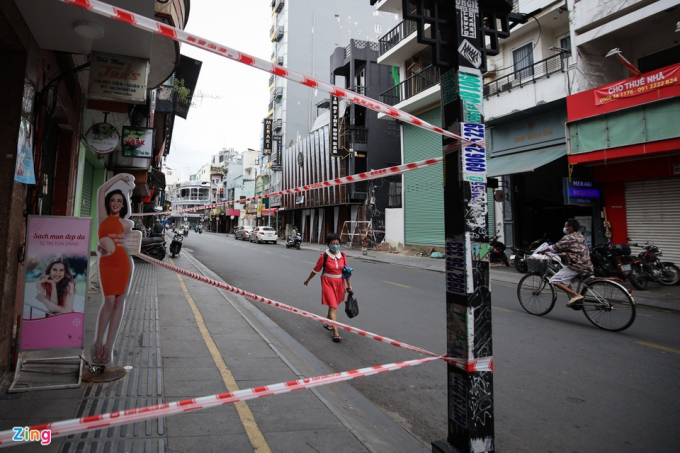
653, 214
423, 189
88, 189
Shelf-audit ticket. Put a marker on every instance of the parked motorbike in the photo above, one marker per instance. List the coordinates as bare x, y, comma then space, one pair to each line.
519, 254
154, 247
176, 244
611, 260
648, 267
294, 240
497, 254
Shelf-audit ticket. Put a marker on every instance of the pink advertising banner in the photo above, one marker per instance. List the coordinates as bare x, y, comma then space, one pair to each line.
57, 258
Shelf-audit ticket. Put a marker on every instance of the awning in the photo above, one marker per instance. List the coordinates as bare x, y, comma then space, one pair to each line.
525, 161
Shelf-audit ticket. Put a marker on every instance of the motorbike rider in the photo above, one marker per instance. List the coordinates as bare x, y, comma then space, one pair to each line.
575, 247
158, 228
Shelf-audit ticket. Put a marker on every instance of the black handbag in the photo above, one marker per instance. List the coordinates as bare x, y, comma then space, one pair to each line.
351, 305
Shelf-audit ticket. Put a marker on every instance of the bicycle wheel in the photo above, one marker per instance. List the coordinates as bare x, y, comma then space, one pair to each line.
536, 295
608, 305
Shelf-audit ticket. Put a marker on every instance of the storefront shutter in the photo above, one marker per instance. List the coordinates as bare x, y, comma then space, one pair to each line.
423, 190
653, 214
88, 188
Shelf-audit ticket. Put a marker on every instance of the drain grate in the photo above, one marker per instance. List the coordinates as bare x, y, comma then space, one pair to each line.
138, 346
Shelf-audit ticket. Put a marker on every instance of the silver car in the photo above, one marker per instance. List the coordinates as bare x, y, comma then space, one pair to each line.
264, 234
243, 232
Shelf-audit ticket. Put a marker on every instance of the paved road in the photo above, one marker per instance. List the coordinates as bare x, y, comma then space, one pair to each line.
561, 385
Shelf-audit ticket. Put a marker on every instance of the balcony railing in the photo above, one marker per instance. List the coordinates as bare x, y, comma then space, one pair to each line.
271, 79
396, 35
359, 90
276, 33
278, 124
415, 84
279, 5
524, 76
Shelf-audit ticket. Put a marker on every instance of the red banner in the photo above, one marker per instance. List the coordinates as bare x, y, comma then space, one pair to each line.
636, 86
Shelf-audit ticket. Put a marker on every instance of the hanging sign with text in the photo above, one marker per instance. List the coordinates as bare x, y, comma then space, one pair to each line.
636, 86
118, 78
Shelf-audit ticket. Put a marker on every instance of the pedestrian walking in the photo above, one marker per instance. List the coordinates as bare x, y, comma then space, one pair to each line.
335, 275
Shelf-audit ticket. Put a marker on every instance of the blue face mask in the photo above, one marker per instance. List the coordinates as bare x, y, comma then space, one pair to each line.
334, 248
565, 231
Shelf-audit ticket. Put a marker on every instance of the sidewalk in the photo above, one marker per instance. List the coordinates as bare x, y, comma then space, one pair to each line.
182, 339
655, 296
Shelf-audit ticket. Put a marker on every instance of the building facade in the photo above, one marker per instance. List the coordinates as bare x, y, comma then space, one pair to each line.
50, 105
623, 119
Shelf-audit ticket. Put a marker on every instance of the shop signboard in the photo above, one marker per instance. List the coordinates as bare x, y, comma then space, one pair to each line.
333, 133
267, 136
580, 193
531, 133
186, 78
118, 78
56, 267
636, 86
137, 142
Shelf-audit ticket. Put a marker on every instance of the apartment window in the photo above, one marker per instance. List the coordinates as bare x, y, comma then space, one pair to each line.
378, 28
565, 43
523, 60
418, 62
394, 197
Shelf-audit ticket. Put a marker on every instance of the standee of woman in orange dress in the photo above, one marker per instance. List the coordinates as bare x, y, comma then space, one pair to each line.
115, 266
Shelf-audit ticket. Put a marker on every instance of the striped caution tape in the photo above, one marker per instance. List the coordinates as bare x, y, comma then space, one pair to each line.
178, 35
482, 364
79, 425
373, 174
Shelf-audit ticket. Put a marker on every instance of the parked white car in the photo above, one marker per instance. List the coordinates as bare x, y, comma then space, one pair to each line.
264, 234
243, 232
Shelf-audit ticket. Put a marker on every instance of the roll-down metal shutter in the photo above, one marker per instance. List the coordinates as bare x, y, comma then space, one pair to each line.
653, 214
423, 188
88, 183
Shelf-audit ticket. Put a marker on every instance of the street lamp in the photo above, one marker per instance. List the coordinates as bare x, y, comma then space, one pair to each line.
619, 56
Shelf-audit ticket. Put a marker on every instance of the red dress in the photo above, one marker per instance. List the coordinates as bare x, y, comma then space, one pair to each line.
332, 288
114, 270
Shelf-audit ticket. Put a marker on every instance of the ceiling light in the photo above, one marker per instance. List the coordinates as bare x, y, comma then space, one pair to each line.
89, 30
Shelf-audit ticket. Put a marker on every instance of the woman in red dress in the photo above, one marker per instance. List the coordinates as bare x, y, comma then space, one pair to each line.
332, 285
114, 265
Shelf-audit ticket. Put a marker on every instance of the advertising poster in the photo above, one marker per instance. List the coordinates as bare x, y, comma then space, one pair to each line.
137, 142
57, 254
24, 171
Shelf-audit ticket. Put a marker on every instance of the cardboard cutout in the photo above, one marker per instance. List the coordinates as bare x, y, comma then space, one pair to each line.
116, 267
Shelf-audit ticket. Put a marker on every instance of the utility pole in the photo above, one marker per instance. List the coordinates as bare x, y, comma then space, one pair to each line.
459, 31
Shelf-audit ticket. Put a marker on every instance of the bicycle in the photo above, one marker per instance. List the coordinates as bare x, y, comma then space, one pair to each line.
607, 304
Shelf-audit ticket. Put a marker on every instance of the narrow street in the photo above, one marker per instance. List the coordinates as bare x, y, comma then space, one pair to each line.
560, 383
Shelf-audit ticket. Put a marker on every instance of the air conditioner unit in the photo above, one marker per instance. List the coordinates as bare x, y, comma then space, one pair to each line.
279, 61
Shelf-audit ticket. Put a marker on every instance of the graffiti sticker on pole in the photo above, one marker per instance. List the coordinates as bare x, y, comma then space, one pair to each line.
468, 10
470, 53
473, 157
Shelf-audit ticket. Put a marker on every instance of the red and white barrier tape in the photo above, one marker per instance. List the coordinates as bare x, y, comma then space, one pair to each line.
482, 364
78, 425
178, 35
373, 174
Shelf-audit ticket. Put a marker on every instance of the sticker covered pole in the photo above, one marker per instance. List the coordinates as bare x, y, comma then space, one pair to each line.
460, 54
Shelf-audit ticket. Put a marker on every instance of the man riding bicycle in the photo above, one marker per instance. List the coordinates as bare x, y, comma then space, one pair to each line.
575, 248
